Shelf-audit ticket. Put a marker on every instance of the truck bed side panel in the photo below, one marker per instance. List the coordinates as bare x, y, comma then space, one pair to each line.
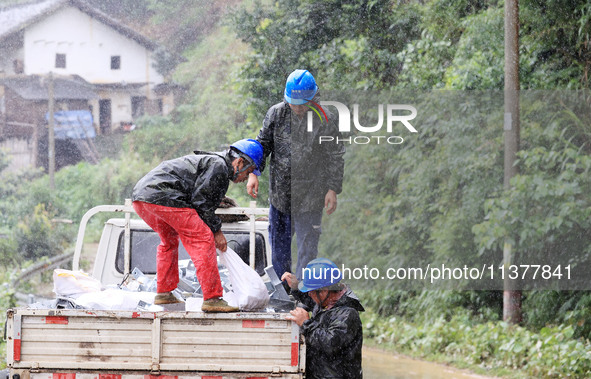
152, 341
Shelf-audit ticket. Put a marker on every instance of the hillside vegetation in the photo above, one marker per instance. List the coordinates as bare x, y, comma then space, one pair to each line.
436, 198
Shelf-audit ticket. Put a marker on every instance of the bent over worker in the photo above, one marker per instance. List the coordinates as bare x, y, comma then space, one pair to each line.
334, 335
178, 199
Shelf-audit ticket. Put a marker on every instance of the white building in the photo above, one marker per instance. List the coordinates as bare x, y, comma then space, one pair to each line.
71, 38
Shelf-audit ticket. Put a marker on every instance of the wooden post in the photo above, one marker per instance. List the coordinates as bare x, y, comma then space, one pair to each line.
3, 110
51, 135
511, 295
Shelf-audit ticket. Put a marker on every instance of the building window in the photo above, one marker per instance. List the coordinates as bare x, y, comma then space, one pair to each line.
115, 62
60, 61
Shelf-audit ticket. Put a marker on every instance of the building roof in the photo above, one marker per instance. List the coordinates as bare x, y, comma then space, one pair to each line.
16, 18
120, 85
34, 87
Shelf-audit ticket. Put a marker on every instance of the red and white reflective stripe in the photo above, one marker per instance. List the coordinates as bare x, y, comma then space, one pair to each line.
253, 323
58, 320
295, 344
16, 338
65, 375
16, 355
295, 353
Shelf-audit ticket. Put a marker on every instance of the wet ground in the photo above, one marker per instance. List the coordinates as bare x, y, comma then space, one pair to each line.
378, 364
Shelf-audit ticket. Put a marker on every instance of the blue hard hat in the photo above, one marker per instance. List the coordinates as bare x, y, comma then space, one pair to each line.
300, 87
253, 149
319, 273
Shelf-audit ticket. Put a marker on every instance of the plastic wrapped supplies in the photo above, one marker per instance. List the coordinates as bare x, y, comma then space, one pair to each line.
242, 286
114, 299
248, 291
67, 283
84, 291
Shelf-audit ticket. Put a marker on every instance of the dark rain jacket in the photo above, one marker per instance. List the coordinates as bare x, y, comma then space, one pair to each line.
302, 169
197, 181
334, 338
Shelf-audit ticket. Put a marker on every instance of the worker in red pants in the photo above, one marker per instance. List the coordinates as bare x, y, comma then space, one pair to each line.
178, 200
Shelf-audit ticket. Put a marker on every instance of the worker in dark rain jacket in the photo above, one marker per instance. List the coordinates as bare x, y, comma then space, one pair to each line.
334, 335
306, 174
178, 199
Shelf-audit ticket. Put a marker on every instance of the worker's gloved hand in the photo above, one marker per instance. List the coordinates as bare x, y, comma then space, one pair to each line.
291, 280
299, 315
220, 241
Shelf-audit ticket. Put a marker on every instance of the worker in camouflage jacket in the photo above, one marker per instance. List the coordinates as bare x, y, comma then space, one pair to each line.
306, 174
334, 334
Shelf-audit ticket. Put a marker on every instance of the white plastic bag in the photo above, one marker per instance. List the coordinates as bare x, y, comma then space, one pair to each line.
248, 287
114, 299
69, 283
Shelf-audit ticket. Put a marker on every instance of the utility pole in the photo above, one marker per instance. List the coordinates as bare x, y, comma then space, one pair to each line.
51, 136
511, 295
2, 111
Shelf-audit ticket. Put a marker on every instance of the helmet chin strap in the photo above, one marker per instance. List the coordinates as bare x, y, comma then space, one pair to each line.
323, 300
238, 172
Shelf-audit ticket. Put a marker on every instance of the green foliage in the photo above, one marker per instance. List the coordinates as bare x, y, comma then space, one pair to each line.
444, 18
570, 308
37, 236
183, 23
155, 139
7, 301
555, 37
550, 353
14, 188
84, 186
211, 117
422, 307
4, 160
346, 45
478, 61
426, 194
425, 62
129, 10
8, 251
545, 215
32, 206
165, 62
438, 197
449, 29
214, 108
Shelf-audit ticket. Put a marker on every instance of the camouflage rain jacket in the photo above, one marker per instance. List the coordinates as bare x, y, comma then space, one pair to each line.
302, 169
334, 338
197, 181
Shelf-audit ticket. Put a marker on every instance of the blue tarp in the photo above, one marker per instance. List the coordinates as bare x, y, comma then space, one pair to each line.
72, 124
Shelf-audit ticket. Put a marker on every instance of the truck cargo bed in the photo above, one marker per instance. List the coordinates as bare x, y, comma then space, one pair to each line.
157, 343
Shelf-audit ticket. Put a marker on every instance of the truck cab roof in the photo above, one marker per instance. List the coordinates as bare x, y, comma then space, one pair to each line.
109, 265
140, 224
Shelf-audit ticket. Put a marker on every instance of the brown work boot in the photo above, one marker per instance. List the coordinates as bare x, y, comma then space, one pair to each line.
166, 298
217, 305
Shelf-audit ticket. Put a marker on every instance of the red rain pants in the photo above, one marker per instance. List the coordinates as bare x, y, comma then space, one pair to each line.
170, 224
